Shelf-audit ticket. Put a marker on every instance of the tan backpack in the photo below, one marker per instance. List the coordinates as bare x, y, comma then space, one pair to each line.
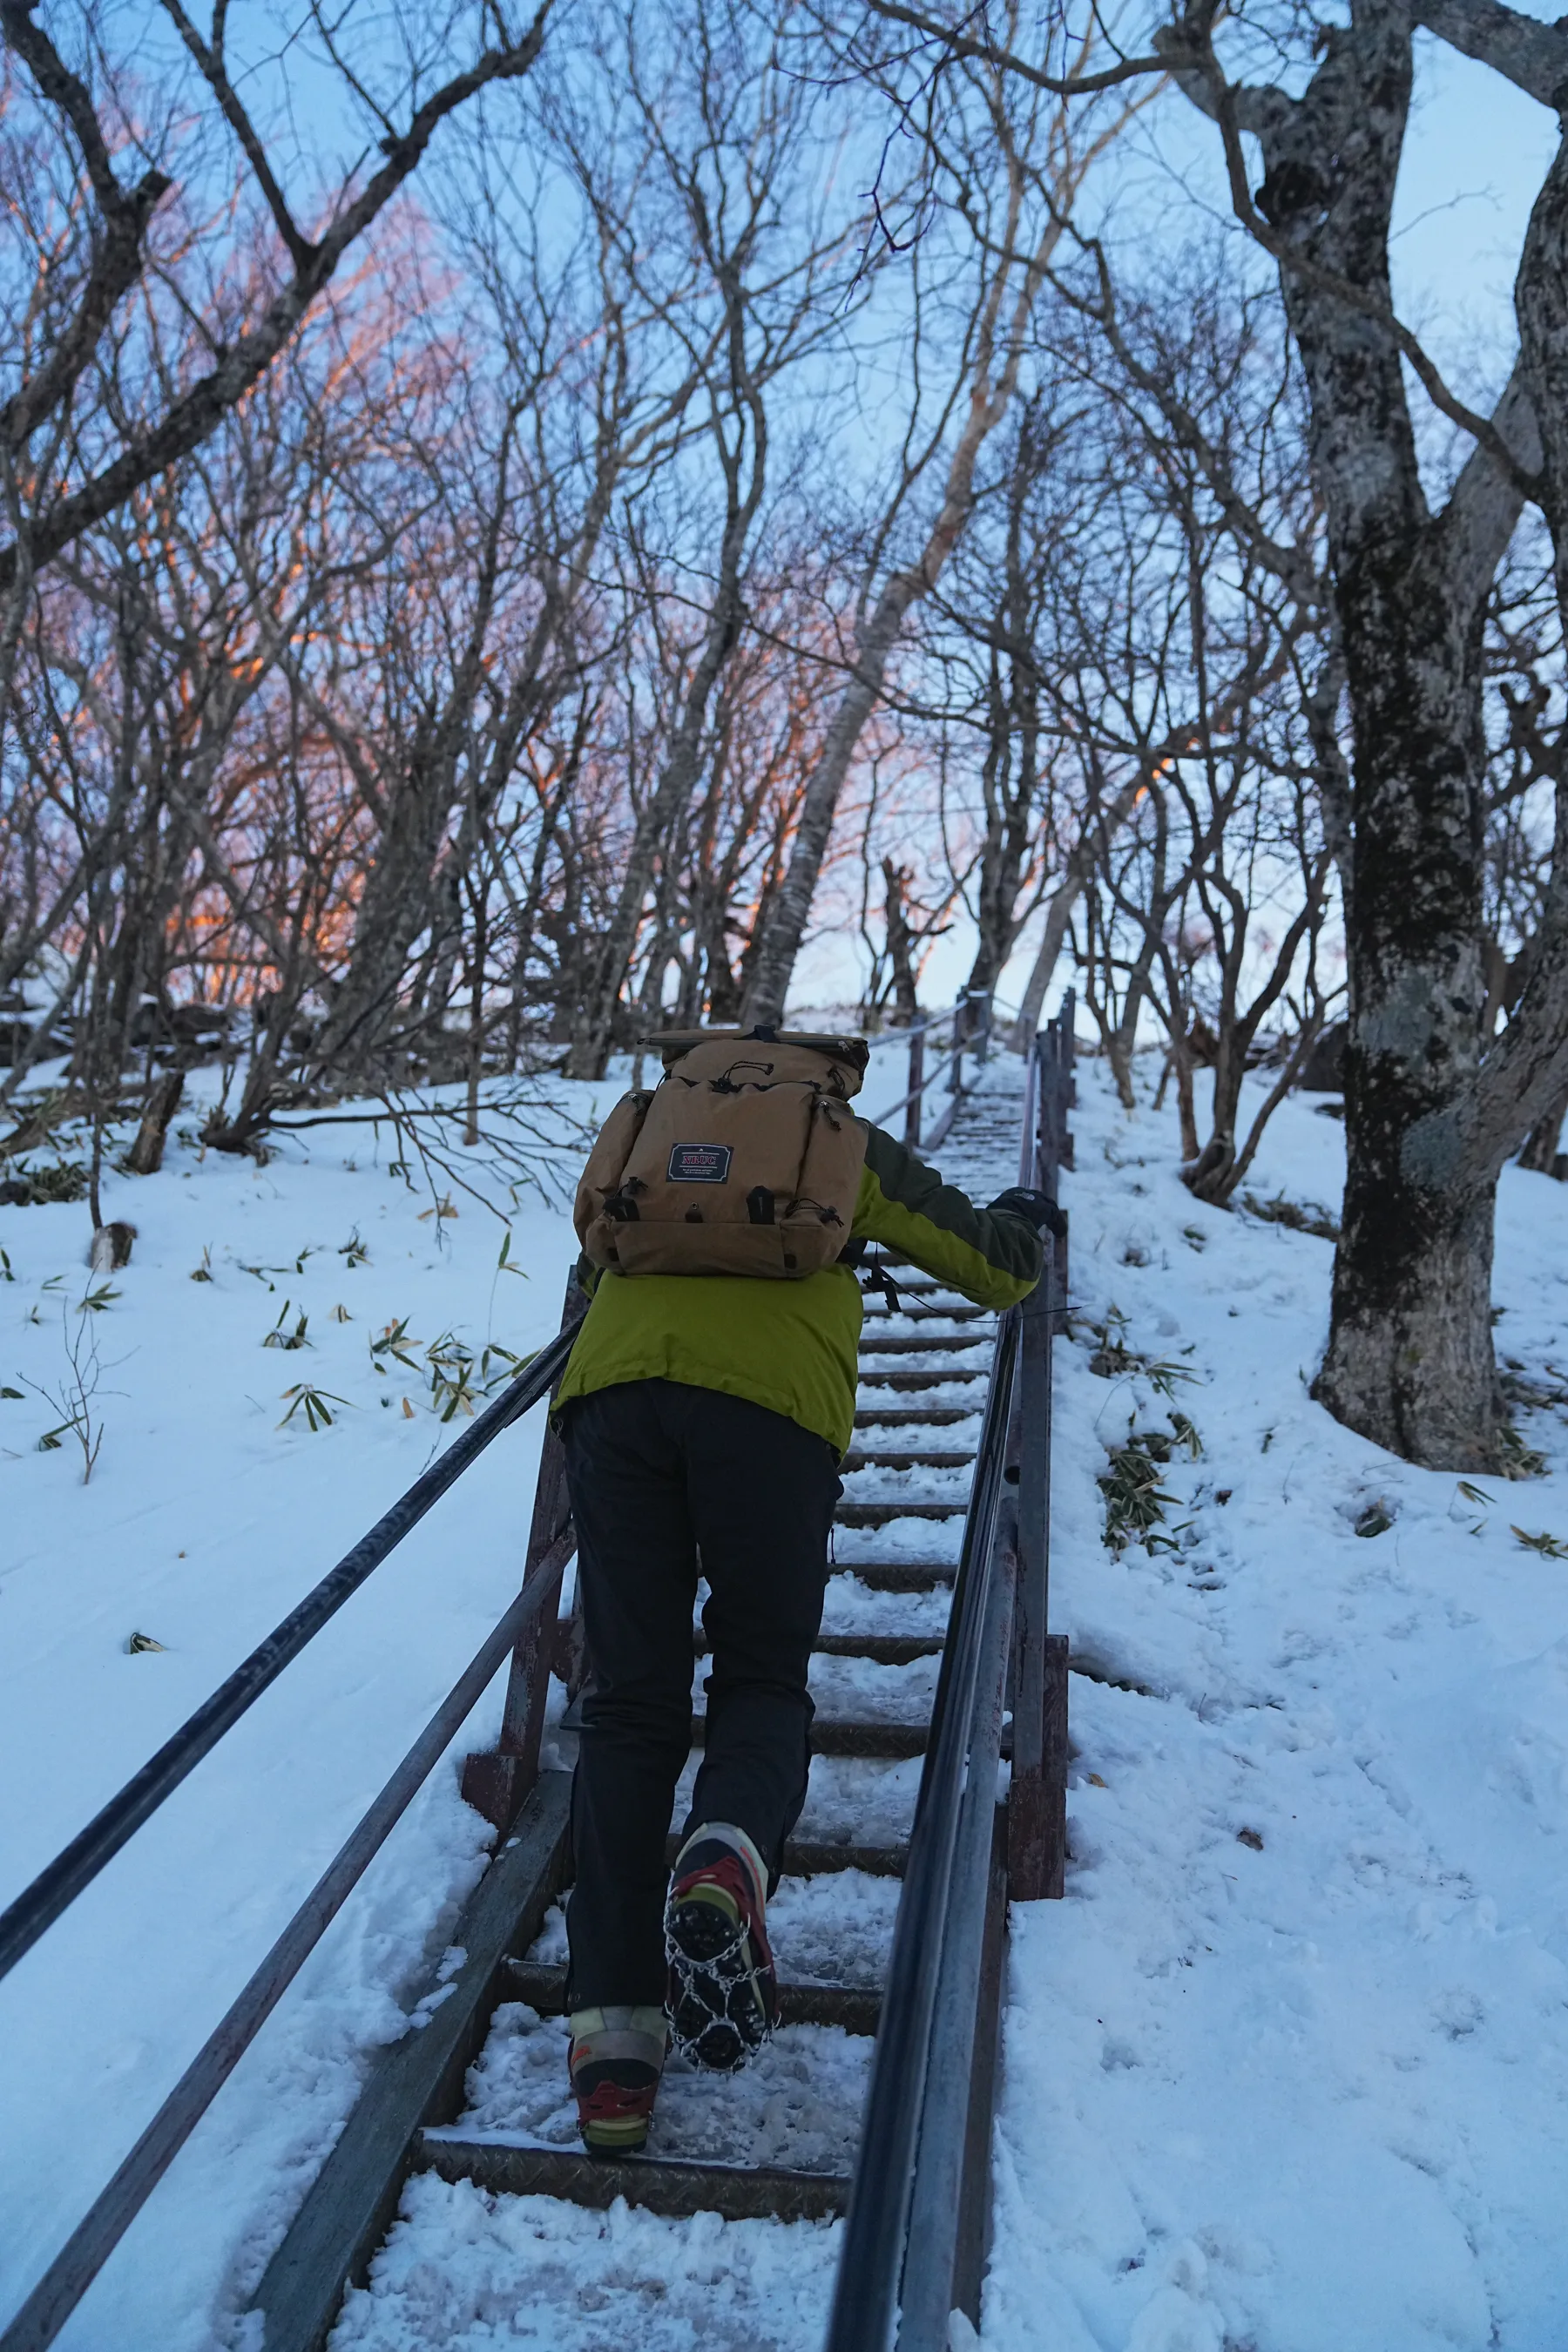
744, 1159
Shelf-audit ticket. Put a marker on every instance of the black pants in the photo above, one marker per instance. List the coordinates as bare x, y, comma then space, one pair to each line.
659, 1473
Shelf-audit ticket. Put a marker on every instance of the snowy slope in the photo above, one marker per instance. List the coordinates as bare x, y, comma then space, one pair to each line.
1304, 2090
203, 1523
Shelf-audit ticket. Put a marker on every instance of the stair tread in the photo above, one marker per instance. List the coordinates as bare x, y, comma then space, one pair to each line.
809, 1857
882, 1649
877, 1514
542, 1985
888, 1738
882, 1458
897, 1575
911, 1416
672, 2185
910, 1343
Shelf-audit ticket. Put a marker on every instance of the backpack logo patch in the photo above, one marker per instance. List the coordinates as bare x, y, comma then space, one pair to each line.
699, 1163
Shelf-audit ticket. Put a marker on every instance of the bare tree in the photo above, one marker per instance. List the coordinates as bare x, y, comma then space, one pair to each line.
735, 139
1005, 176
88, 277
1432, 1111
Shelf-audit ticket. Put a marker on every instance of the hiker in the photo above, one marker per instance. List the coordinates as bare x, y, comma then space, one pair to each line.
705, 1409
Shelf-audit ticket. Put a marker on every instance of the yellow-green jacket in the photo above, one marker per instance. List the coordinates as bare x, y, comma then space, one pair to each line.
793, 1346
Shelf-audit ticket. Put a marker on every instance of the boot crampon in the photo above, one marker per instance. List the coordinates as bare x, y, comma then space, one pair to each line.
723, 1992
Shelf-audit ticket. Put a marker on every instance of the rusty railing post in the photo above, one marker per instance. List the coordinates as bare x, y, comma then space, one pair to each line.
916, 1103
497, 1781
1036, 1802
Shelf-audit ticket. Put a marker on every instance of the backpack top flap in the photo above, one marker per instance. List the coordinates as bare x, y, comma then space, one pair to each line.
836, 1065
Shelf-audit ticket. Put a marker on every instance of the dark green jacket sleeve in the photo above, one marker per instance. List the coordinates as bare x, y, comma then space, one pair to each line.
994, 1258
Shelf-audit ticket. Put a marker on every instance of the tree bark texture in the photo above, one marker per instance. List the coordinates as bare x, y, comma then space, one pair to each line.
1409, 1361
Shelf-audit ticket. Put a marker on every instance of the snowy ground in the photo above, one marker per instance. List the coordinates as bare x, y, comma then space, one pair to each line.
1297, 2091
203, 1523
1288, 2070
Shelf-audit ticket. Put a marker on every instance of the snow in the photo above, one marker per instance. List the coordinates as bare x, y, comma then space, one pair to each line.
1303, 2090
449, 2280
1286, 2072
832, 1929
901, 1538
203, 1524
797, 2104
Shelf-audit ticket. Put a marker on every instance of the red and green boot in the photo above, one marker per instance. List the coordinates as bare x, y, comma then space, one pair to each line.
618, 2057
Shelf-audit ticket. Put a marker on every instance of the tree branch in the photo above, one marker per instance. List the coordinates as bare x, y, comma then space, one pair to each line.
117, 261
1189, 53
197, 413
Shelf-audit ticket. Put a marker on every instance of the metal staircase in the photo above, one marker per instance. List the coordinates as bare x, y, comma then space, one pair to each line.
946, 1493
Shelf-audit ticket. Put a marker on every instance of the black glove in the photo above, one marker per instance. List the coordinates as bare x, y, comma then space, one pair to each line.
1038, 1207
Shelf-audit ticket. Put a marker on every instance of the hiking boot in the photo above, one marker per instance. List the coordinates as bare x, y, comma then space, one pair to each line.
618, 2057
723, 1997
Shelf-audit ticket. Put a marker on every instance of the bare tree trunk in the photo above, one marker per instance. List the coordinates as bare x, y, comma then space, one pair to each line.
901, 947
1543, 1145
1409, 1361
146, 1156
1060, 904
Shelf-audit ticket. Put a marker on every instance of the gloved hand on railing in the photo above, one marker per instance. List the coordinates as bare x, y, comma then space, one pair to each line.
1040, 1210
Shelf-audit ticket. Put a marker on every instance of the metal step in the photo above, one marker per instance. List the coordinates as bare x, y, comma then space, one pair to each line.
889, 1378
667, 2186
898, 1575
882, 1460
856, 2008
911, 1344
890, 1740
882, 1649
912, 1416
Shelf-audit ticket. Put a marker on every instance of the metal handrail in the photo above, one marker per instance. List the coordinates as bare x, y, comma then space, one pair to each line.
910, 2250
897, 1036
926, 1087
78, 1865
868, 2291
95, 2237
951, 1068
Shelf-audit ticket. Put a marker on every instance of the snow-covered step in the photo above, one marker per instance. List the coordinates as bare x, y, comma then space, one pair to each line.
904, 1575
911, 1480
673, 2188
854, 2008
834, 1928
871, 1419
845, 1685
796, 2104
896, 1508
887, 1649
854, 1735
958, 1385
907, 1457
890, 1735
937, 1313
916, 1343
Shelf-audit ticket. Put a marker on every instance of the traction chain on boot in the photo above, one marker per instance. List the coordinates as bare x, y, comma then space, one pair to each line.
716, 1978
